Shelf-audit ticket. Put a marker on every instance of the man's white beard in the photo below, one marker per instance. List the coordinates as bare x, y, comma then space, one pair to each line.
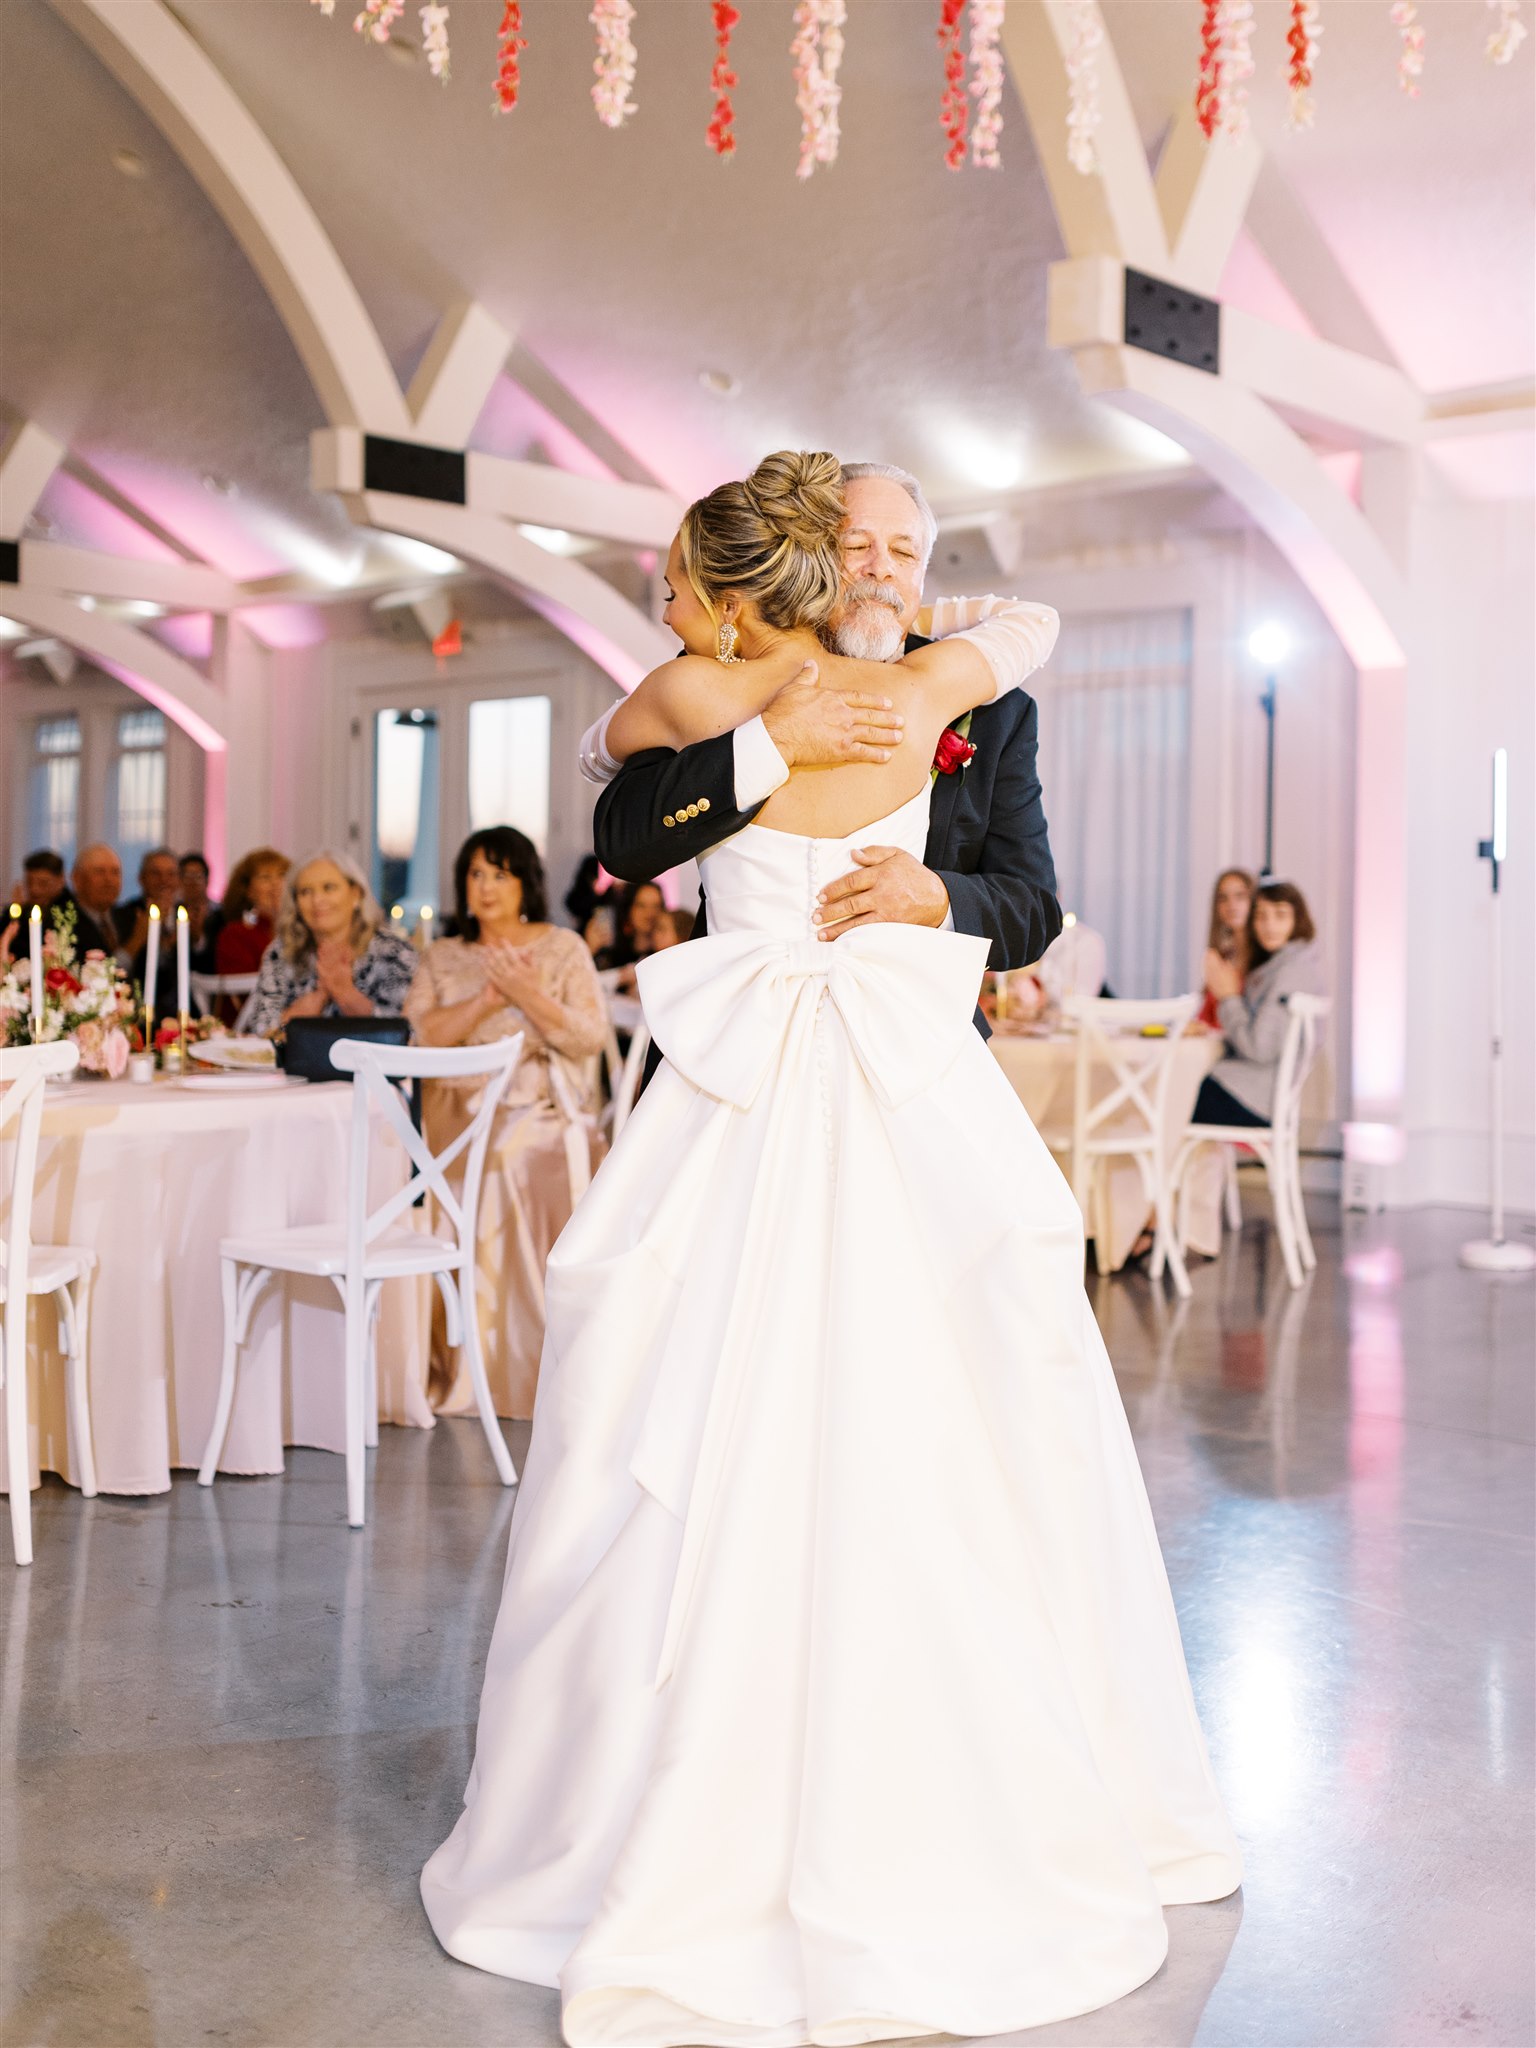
870, 633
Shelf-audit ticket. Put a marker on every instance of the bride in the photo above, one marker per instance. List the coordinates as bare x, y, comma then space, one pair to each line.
836, 1693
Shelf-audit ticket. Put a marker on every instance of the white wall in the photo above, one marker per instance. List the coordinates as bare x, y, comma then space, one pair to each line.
1471, 687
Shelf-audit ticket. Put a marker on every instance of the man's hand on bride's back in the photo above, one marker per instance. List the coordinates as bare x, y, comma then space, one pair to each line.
816, 726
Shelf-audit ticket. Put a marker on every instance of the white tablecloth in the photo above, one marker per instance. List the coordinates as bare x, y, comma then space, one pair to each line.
1041, 1072
150, 1179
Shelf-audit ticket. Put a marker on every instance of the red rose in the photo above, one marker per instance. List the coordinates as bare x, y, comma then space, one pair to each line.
58, 978
952, 752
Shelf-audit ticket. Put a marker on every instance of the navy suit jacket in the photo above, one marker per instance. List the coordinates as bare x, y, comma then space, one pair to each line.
987, 837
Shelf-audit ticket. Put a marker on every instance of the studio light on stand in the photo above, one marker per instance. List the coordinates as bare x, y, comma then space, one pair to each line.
1269, 644
1494, 1253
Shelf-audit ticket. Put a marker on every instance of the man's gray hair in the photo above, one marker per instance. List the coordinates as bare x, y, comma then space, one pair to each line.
913, 489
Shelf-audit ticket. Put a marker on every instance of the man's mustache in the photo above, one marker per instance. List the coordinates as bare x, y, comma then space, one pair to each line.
867, 591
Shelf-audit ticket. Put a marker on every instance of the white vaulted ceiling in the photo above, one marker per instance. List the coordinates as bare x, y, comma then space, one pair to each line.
886, 308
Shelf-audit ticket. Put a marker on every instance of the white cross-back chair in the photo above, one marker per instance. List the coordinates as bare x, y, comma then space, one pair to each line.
208, 989
1277, 1144
630, 1076
366, 1248
32, 1270
1126, 1119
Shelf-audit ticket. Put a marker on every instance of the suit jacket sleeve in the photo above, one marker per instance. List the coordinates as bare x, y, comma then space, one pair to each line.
664, 808
1011, 897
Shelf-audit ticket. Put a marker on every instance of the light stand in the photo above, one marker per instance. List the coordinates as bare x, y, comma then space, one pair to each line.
1268, 645
1494, 1253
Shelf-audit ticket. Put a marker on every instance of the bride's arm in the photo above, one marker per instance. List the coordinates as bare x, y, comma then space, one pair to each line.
694, 698
991, 645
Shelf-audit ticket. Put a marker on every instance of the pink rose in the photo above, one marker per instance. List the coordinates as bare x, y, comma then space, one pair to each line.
115, 1054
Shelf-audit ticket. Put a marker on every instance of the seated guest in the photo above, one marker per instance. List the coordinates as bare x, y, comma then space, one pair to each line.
204, 915
673, 928
159, 882
96, 882
334, 954
1231, 901
639, 907
586, 891
42, 880
1283, 961
249, 912
508, 969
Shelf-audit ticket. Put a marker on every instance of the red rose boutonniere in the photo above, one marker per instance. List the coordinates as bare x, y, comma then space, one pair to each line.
954, 751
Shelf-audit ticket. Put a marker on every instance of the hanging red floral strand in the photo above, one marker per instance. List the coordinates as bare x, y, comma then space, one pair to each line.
954, 106
1208, 84
721, 132
1302, 37
510, 44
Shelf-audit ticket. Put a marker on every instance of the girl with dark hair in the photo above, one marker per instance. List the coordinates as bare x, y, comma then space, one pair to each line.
1231, 904
1251, 1013
507, 969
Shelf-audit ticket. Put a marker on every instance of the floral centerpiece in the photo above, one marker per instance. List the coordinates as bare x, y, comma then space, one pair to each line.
90, 1001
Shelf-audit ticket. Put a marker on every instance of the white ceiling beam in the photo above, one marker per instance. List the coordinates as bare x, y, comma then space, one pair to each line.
1272, 473
454, 378
1482, 409
615, 633
1112, 211
1317, 383
162, 678
83, 572
1203, 189
530, 493
146, 48
30, 459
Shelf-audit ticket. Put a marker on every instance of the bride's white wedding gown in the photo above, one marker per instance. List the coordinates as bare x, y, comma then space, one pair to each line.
836, 1693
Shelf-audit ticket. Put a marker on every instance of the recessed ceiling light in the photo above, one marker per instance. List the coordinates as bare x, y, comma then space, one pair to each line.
144, 608
87, 604
555, 539
720, 382
219, 486
130, 163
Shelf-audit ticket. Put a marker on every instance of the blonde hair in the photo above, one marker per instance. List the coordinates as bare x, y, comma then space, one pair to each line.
295, 940
775, 539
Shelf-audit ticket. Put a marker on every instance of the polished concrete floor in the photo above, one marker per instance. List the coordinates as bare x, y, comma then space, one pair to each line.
231, 1730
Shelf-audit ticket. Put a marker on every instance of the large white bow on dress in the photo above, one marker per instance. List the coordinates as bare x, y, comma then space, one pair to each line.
721, 1008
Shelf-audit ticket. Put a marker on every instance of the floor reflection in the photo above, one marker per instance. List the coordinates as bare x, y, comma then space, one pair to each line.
241, 1726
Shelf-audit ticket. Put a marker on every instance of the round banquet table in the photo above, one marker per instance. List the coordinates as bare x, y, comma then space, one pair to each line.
150, 1179
1041, 1071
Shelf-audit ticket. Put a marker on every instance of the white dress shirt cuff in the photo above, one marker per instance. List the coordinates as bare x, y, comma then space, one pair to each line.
760, 768
949, 920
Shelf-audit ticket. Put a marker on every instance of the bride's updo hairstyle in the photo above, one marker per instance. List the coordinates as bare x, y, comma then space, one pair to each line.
775, 539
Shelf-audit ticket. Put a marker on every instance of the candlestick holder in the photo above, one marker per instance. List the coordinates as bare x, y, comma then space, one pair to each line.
185, 1023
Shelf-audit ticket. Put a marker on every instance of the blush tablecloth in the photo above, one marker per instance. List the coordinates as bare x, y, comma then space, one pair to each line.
150, 1179
1041, 1072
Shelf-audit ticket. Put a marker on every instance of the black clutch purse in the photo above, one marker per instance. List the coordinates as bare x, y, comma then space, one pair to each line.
304, 1050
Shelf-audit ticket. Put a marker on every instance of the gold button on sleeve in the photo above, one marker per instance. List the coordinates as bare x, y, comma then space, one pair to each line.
669, 823
703, 803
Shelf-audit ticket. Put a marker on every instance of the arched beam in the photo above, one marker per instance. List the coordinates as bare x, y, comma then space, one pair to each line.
148, 51
154, 672
606, 626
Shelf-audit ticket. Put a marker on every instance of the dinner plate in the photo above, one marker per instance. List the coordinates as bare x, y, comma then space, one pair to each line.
231, 1083
242, 1055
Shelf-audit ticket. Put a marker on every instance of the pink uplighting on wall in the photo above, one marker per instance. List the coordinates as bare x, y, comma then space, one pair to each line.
87, 521
213, 527
1250, 283
511, 424
187, 633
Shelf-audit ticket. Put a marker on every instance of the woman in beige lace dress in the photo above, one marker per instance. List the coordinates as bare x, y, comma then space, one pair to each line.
510, 970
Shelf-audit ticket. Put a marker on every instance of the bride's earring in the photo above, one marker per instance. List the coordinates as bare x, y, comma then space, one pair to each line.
725, 643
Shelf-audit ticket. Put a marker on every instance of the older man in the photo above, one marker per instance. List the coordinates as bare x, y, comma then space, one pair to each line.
96, 883
987, 867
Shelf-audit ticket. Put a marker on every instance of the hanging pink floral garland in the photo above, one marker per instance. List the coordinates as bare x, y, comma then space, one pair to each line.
510, 45
326, 7
1509, 33
434, 38
954, 107
818, 53
378, 18
1302, 37
1208, 82
721, 132
1236, 24
615, 64
1083, 87
1410, 60
987, 83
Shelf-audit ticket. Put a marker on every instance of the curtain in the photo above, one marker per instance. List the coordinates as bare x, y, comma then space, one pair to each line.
1114, 763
